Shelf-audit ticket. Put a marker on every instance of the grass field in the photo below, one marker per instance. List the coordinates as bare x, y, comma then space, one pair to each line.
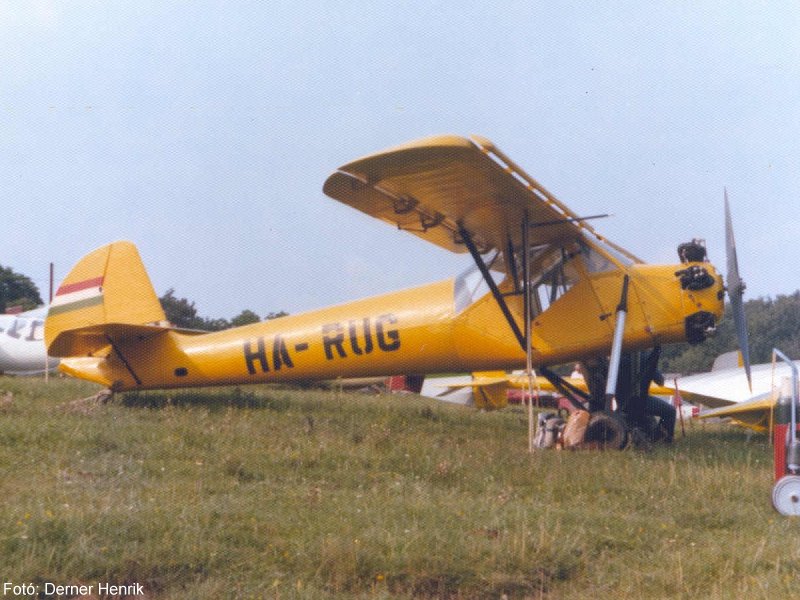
272, 493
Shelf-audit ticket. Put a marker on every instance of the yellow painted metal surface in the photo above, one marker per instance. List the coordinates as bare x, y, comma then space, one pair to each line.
109, 285
412, 331
755, 414
450, 180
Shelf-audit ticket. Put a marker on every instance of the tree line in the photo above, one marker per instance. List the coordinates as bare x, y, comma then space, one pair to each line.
182, 313
771, 323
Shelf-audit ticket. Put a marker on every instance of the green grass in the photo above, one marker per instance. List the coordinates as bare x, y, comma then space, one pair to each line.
271, 493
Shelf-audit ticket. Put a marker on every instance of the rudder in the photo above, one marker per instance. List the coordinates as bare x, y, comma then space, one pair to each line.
108, 286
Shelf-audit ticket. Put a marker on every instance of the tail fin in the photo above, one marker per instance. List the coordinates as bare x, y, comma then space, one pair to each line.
728, 360
107, 287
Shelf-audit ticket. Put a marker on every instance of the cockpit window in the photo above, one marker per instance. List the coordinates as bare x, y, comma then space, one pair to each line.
554, 271
558, 275
28, 329
470, 284
17, 327
596, 262
621, 258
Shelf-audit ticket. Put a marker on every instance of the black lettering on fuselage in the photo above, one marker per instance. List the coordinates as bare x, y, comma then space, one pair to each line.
259, 354
367, 333
382, 333
280, 355
257, 358
363, 341
333, 337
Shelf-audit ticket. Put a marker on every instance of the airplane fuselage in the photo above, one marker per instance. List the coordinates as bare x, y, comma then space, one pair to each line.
22, 349
427, 329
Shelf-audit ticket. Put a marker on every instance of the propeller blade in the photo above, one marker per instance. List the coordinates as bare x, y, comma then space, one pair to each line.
736, 291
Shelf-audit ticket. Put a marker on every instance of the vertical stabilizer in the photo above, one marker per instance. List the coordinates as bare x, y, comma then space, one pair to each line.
108, 285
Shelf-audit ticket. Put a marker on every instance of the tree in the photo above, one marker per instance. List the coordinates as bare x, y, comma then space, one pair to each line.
180, 312
771, 323
17, 290
214, 324
245, 318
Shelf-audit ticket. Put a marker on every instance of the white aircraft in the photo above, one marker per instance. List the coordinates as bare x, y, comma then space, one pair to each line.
22, 349
725, 391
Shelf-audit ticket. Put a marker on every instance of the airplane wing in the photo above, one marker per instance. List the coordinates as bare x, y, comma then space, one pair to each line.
755, 413
490, 388
729, 386
726, 391
434, 186
479, 379
689, 395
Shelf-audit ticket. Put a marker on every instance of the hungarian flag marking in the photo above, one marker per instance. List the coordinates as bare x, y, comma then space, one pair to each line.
74, 296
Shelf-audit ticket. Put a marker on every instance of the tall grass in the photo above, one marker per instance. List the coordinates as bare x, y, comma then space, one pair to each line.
271, 493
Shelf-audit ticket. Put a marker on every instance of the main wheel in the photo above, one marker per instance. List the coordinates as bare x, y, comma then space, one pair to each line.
606, 431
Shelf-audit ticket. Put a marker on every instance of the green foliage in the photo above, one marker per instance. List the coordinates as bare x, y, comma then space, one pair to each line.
180, 312
275, 315
265, 492
774, 324
17, 290
183, 313
245, 318
771, 323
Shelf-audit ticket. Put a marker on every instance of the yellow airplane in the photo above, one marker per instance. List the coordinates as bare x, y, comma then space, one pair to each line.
546, 289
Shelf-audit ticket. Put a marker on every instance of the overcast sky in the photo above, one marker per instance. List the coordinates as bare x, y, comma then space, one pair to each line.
203, 132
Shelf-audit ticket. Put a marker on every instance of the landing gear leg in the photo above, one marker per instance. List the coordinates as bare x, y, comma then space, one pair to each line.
653, 418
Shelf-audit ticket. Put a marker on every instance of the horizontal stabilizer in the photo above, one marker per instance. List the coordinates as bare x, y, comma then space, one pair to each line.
84, 341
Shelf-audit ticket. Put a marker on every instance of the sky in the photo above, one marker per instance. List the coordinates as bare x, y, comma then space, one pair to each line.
203, 132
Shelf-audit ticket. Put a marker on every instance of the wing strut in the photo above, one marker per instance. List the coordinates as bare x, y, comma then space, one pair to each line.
568, 390
487, 276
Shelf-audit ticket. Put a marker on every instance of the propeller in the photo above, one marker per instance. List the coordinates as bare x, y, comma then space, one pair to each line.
735, 287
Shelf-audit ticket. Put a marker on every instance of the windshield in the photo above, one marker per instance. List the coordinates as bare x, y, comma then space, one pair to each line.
598, 263
554, 270
620, 257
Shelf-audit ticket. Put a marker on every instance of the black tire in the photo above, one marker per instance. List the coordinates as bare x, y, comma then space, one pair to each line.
606, 431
